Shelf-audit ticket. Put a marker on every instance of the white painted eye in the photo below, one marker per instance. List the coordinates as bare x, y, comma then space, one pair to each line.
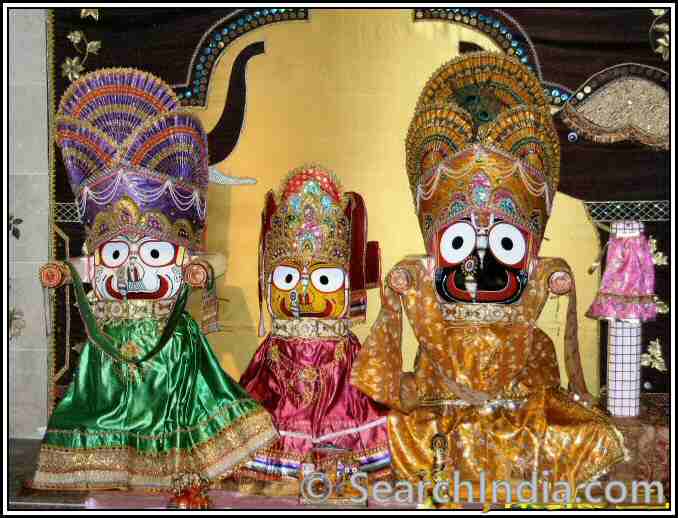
114, 253
507, 243
285, 277
157, 253
458, 242
328, 280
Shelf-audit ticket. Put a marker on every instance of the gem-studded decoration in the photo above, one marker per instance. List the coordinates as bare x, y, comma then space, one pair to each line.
496, 24
310, 224
626, 102
483, 161
194, 91
557, 94
508, 34
314, 236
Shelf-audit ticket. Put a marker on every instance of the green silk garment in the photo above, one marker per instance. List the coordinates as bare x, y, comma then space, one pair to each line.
123, 424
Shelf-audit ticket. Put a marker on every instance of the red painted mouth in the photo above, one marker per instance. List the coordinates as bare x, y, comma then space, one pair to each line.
321, 314
162, 290
507, 292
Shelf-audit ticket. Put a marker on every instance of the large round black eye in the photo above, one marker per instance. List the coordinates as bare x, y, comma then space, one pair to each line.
328, 280
483, 116
285, 277
156, 253
114, 253
506, 243
471, 99
457, 242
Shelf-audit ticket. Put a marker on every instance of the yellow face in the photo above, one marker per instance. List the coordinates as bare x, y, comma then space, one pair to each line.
318, 290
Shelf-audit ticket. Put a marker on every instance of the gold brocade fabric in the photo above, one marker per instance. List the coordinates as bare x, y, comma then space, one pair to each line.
547, 432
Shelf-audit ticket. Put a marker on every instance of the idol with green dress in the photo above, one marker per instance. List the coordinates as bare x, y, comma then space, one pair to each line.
149, 401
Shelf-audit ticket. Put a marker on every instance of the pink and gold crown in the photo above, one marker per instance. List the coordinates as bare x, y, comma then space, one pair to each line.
482, 140
311, 220
309, 223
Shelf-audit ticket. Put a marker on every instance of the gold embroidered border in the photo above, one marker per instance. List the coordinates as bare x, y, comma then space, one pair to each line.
310, 328
275, 452
482, 313
107, 311
116, 467
642, 299
601, 135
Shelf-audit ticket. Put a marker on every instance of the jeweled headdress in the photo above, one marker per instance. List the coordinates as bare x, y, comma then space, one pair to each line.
482, 138
136, 162
310, 223
312, 220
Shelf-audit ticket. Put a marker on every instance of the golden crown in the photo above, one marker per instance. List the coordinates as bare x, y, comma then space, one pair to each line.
309, 223
482, 137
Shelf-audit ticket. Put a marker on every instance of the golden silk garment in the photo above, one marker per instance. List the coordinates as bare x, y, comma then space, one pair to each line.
496, 349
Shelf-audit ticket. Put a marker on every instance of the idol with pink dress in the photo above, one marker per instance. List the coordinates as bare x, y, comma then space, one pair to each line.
315, 266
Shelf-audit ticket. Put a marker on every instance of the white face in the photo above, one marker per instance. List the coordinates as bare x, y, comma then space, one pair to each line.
138, 268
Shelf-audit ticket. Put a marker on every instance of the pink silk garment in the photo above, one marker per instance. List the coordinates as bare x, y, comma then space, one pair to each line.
304, 384
627, 287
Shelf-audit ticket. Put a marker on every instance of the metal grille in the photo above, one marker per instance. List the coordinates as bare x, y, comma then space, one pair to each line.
623, 368
66, 213
606, 211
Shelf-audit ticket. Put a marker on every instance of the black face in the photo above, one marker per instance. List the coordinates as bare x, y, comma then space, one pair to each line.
497, 283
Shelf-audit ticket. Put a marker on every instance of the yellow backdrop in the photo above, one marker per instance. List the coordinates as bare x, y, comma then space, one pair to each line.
340, 90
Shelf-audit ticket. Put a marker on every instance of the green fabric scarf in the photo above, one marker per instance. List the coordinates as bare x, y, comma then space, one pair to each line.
108, 344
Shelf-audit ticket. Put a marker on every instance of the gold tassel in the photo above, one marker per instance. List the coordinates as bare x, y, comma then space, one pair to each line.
210, 311
596, 263
262, 323
575, 373
594, 267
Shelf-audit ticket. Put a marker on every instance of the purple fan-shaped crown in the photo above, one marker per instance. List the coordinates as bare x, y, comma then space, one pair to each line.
126, 143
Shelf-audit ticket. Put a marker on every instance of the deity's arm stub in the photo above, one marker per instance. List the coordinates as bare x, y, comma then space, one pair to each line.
54, 274
378, 368
558, 278
216, 260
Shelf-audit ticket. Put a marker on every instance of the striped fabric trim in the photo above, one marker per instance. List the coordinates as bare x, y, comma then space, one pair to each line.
333, 435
